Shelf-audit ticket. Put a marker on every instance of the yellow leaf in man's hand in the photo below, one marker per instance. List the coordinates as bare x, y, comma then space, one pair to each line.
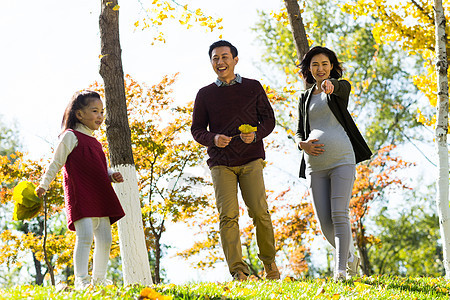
245, 128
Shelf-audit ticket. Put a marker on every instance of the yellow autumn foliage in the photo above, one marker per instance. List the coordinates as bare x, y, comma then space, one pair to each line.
161, 11
411, 24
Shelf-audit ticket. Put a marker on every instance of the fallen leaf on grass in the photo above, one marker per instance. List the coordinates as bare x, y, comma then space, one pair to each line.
289, 279
361, 286
151, 294
320, 290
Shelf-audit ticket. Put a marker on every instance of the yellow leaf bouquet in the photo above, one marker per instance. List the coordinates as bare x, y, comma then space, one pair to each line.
26, 202
245, 128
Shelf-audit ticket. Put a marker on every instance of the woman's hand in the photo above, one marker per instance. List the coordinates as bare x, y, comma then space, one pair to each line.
327, 86
310, 148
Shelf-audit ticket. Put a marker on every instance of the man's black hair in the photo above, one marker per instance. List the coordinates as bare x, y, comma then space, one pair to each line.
223, 43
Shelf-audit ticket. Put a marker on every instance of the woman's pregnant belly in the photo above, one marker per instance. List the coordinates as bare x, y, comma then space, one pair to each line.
337, 146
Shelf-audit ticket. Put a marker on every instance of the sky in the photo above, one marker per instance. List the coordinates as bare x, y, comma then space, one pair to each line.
51, 48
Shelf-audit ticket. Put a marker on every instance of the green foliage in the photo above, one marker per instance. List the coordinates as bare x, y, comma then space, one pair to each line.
376, 287
414, 252
63, 292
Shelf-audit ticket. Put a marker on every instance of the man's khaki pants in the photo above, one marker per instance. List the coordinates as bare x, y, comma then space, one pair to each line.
251, 182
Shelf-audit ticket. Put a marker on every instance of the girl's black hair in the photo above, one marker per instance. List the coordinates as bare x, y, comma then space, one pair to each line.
79, 100
336, 72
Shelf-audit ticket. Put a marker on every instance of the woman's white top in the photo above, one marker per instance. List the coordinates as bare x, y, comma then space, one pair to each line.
327, 129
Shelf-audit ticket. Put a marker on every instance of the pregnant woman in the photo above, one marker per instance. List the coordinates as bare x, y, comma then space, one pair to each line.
332, 145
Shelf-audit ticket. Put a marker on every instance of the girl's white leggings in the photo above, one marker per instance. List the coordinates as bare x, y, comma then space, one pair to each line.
88, 229
331, 191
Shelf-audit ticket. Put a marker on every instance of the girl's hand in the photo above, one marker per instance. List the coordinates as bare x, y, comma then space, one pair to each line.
310, 148
116, 177
40, 192
327, 87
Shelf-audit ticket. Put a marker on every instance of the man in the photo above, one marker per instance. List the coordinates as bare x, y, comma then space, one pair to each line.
234, 157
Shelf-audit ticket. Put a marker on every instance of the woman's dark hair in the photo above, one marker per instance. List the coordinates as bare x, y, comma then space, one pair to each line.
336, 72
79, 100
223, 43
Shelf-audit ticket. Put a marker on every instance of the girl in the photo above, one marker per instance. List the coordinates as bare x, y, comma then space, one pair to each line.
332, 145
90, 202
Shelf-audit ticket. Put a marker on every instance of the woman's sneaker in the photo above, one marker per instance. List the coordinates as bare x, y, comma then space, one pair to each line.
339, 277
352, 267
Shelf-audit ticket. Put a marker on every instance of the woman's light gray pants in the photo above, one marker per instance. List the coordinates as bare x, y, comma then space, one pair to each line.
331, 192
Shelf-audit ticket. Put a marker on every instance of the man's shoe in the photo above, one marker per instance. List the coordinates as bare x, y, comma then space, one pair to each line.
239, 276
352, 267
272, 272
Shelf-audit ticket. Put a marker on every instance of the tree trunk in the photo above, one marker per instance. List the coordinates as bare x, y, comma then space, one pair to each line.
297, 28
135, 264
39, 279
441, 132
157, 260
363, 251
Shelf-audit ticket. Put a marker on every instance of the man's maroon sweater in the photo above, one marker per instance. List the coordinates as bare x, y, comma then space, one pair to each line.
221, 110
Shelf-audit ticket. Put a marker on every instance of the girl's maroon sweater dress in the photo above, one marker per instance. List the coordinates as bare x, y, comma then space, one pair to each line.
87, 187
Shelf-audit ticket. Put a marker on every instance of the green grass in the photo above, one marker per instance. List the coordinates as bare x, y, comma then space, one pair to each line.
376, 287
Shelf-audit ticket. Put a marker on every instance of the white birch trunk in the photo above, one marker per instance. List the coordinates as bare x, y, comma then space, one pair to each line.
136, 266
135, 263
441, 132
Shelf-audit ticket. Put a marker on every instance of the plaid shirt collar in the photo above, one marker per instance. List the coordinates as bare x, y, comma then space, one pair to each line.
237, 79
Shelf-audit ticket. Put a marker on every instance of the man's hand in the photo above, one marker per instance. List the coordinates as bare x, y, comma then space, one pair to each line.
221, 140
248, 138
116, 177
310, 148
